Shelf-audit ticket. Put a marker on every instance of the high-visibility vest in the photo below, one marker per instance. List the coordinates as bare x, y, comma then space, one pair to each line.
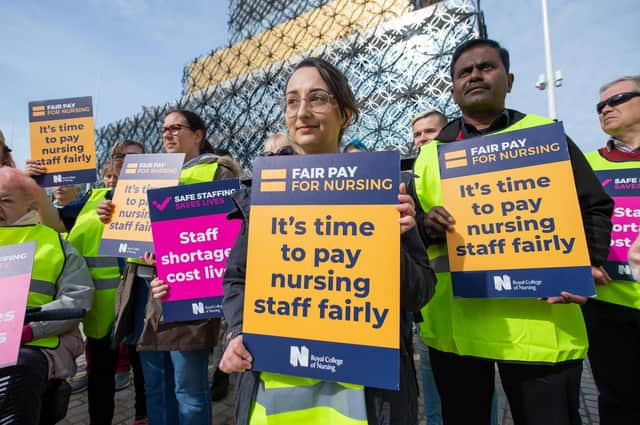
287, 400
500, 329
199, 173
621, 292
48, 263
85, 236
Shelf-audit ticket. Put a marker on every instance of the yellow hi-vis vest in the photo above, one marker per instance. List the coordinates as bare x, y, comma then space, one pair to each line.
287, 400
499, 329
199, 173
48, 263
85, 236
622, 292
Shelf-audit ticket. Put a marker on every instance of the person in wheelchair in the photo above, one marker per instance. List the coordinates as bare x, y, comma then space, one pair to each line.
60, 279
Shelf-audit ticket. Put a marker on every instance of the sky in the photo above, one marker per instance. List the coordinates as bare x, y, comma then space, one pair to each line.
131, 53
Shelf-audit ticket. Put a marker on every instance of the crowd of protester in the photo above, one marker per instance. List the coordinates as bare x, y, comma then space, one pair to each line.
537, 346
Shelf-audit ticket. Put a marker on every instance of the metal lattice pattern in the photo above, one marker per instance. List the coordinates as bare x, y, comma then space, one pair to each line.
396, 69
326, 24
248, 18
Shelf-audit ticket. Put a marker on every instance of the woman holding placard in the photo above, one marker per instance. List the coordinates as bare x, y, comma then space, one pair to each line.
174, 355
318, 106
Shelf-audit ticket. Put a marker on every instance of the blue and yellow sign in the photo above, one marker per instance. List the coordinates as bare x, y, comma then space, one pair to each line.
518, 230
128, 234
62, 140
322, 295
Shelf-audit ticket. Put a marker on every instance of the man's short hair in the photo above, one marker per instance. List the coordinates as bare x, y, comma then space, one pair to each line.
635, 79
475, 42
425, 114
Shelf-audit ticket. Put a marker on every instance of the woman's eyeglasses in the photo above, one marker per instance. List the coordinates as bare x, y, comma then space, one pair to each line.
285, 150
317, 101
173, 129
616, 99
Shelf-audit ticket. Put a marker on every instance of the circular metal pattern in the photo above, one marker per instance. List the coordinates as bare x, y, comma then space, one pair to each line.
397, 68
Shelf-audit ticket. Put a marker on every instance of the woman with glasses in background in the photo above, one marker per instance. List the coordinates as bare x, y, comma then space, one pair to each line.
174, 355
318, 106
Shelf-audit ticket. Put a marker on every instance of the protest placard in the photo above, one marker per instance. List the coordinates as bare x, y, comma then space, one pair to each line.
192, 239
15, 277
128, 234
322, 296
624, 188
518, 230
62, 140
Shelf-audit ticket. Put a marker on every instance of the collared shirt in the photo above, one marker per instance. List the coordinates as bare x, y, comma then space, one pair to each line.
614, 143
504, 120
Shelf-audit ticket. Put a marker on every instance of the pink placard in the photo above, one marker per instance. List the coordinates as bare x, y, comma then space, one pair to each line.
625, 227
15, 278
193, 254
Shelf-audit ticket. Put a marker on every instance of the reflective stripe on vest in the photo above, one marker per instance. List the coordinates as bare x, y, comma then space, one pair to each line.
500, 329
48, 263
43, 288
85, 236
199, 173
286, 400
622, 292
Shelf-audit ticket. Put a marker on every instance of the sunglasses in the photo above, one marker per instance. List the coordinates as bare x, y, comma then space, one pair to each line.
285, 150
616, 99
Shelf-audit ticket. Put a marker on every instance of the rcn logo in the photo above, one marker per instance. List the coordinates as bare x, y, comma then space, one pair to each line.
299, 356
57, 178
122, 247
502, 282
197, 308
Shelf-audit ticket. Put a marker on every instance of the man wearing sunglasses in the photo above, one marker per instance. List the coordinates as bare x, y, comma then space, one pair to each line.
613, 318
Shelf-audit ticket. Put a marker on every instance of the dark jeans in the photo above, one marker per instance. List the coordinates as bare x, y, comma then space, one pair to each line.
101, 370
538, 394
138, 382
28, 382
614, 354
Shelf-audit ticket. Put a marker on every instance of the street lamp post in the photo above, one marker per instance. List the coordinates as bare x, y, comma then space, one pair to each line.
549, 80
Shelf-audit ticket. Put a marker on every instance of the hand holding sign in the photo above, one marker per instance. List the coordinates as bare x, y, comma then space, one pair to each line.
236, 358
105, 211
407, 210
159, 289
438, 221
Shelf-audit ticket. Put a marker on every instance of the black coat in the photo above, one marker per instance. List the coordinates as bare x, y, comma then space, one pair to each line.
417, 285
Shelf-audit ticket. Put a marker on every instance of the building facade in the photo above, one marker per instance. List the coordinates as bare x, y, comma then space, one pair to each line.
395, 54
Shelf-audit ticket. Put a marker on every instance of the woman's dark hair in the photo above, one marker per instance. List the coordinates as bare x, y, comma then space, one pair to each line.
195, 123
337, 83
